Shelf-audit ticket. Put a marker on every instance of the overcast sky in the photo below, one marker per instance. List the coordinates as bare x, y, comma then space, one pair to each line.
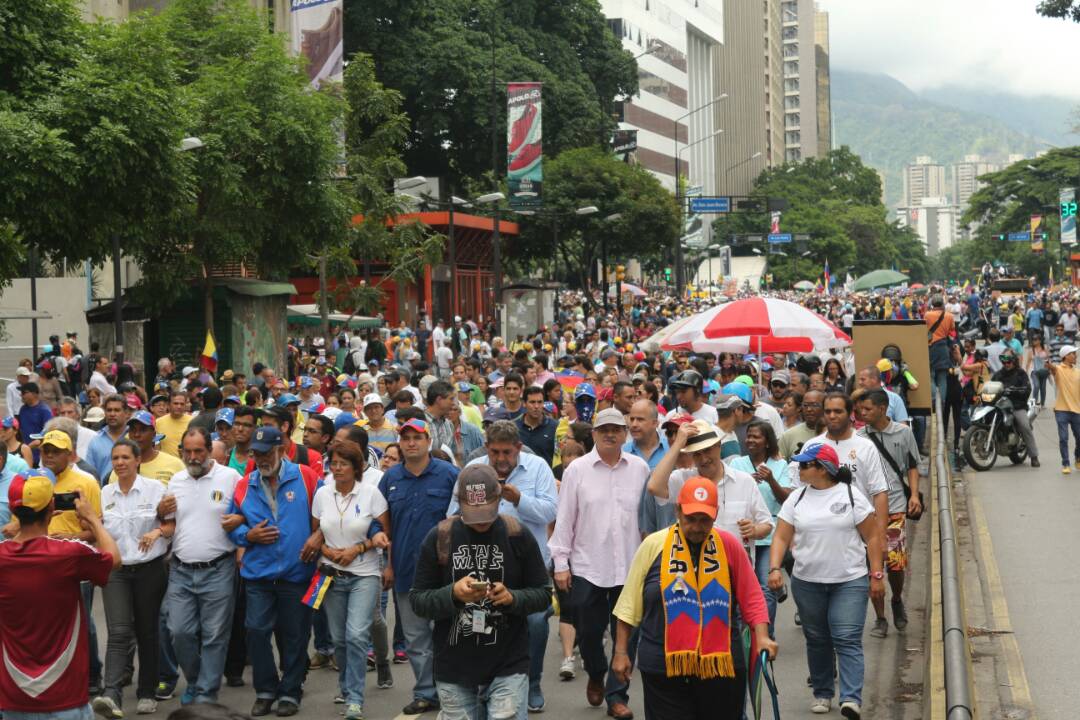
986, 44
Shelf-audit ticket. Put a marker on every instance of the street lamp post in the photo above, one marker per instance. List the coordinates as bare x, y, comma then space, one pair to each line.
494, 199
712, 247
680, 273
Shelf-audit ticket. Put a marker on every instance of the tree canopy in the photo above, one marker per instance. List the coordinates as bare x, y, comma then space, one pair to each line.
438, 55
1069, 9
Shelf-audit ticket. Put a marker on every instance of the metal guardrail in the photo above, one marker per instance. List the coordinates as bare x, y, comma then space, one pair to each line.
959, 703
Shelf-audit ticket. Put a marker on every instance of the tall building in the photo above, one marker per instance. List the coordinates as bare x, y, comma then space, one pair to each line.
674, 111
965, 176
935, 220
774, 84
922, 179
742, 152
800, 80
823, 84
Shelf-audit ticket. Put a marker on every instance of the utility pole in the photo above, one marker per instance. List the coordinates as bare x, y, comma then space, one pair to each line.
118, 311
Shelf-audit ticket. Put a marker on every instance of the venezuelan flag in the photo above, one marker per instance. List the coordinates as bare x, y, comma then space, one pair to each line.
317, 590
828, 278
209, 359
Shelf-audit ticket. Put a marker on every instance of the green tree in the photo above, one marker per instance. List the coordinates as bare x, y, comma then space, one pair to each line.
37, 41
1006, 203
647, 227
1068, 9
438, 54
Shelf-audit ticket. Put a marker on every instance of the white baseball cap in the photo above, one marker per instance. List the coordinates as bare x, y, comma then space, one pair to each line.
1066, 350
24, 372
372, 399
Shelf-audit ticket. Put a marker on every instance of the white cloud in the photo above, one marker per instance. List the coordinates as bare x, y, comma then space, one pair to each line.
987, 44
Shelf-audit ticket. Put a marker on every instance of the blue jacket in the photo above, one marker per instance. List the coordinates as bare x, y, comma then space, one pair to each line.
279, 560
472, 437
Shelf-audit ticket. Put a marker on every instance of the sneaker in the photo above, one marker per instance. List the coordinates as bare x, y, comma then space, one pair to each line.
1035, 462
899, 614
419, 705
371, 661
164, 691
880, 629
188, 696
262, 706
318, 660
400, 658
339, 700
385, 678
798, 620
820, 706
566, 670
850, 710
1065, 469
107, 707
536, 700
354, 712
146, 706
1078, 463
781, 594
287, 708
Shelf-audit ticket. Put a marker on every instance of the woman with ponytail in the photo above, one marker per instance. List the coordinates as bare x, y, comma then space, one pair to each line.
832, 524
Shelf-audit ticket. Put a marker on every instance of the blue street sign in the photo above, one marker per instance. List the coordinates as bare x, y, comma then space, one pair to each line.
1020, 237
710, 204
780, 237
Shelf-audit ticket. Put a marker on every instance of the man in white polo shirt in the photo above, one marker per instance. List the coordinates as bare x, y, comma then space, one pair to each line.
202, 573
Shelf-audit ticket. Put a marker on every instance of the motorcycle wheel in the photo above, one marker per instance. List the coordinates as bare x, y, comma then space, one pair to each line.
975, 448
1020, 454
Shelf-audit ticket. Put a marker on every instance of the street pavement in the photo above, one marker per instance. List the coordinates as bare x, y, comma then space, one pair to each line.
889, 663
1030, 514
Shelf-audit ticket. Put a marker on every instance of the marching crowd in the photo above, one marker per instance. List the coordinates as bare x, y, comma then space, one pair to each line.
435, 496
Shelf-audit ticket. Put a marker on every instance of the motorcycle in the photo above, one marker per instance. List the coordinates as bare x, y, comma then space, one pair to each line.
993, 429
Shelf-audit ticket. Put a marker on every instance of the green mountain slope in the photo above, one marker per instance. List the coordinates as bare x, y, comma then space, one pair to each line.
887, 124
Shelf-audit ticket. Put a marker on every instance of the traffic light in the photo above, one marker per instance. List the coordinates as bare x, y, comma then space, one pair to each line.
1001, 236
620, 272
667, 274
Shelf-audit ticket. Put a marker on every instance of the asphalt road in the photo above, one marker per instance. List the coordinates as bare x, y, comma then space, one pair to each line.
567, 699
1030, 514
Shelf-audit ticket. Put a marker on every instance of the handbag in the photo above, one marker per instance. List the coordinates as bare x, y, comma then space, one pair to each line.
896, 469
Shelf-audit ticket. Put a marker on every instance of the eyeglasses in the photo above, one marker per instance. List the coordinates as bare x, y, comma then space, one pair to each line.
809, 464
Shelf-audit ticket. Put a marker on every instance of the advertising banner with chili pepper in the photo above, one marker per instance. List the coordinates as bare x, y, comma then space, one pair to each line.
317, 35
524, 145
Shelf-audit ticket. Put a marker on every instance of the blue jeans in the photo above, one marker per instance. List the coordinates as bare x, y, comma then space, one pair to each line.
79, 713
349, 608
1066, 420
499, 700
539, 630
941, 383
168, 670
419, 645
95, 659
275, 607
761, 568
320, 629
200, 602
833, 615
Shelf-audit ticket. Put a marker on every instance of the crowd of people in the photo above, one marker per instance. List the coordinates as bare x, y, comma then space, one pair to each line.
433, 496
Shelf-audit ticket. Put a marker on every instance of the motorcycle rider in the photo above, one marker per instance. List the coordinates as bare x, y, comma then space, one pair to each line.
1018, 388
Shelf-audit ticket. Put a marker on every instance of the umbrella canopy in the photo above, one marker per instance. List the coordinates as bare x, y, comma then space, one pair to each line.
309, 315
628, 289
811, 331
763, 317
916, 286
804, 285
880, 278
655, 341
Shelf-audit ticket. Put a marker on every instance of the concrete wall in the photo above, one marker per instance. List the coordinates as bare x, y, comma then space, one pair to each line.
64, 298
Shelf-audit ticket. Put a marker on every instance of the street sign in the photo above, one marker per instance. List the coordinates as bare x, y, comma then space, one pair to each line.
1068, 216
779, 237
710, 204
1020, 237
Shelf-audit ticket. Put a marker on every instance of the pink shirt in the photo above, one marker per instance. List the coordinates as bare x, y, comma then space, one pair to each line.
596, 529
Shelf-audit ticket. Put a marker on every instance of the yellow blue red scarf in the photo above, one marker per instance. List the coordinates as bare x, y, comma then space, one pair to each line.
697, 608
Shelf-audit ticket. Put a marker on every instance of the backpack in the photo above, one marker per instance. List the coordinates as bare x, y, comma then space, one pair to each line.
349, 366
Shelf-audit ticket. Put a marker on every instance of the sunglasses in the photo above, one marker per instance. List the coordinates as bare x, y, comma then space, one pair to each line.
809, 464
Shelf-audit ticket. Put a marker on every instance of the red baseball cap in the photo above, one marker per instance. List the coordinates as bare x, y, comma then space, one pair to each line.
698, 495
678, 419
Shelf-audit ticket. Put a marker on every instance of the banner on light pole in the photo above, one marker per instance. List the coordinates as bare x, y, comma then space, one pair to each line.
524, 144
316, 33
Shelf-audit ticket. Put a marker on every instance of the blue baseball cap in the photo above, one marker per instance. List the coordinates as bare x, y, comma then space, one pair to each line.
266, 439
739, 390
822, 454
233, 399
225, 415
143, 417
305, 381
287, 399
9, 422
464, 387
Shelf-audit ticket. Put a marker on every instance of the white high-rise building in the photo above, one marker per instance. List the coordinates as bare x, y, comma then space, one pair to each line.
935, 219
965, 177
923, 179
676, 41
800, 79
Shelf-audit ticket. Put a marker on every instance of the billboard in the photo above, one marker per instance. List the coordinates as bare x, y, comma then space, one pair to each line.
524, 144
1068, 216
1037, 244
316, 34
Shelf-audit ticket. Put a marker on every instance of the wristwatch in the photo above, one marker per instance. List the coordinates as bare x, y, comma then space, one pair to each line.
877, 575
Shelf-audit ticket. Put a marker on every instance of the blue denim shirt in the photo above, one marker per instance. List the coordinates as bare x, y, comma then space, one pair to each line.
539, 501
652, 516
100, 453
417, 504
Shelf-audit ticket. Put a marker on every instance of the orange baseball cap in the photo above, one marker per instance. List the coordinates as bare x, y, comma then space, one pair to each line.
698, 495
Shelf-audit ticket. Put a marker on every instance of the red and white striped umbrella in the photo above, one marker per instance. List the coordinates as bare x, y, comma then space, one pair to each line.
758, 318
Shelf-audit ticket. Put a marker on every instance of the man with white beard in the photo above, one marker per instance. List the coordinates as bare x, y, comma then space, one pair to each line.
202, 572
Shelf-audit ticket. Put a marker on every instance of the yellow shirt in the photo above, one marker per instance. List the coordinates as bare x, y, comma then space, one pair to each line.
173, 430
1068, 388
67, 522
631, 604
161, 468
471, 414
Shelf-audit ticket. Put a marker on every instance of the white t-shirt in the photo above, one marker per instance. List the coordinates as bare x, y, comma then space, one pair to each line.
738, 495
444, 356
345, 520
200, 504
859, 456
771, 415
705, 412
827, 545
98, 382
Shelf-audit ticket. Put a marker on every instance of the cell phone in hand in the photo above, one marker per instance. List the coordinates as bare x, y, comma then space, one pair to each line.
65, 501
479, 584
